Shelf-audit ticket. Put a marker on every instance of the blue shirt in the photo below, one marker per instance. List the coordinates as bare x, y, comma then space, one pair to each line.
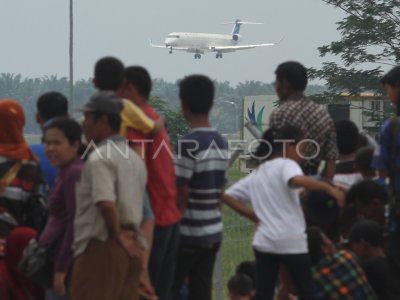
48, 170
381, 159
201, 162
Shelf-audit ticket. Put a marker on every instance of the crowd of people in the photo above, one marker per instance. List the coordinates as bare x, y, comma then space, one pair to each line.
123, 215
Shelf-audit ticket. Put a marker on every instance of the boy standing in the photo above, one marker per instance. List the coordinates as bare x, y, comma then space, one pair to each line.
201, 164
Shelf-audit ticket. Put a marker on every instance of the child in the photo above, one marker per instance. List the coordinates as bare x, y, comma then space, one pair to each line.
200, 165
240, 287
280, 236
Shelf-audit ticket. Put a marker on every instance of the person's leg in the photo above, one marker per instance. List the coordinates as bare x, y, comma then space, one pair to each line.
184, 262
200, 278
299, 267
51, 294
163, 259
267, 267
394, 266
99, 273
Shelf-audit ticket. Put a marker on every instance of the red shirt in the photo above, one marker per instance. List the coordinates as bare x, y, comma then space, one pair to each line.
161, 184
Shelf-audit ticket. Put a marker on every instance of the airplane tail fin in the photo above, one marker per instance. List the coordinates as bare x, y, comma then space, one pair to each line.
238, 23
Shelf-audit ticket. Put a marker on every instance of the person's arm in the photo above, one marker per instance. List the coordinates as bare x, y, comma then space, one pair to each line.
329, 149
110, 216
158, 125
240, 208
147, 227
182, 197
330, 168
64, 256
311, 184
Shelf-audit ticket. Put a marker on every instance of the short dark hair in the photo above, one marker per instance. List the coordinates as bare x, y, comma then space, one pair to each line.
114, 120
273, 137
51, 105
240, 285
365, 192
364, 158
140, 78
69, 127
368, 231
346, 136
315, 242
294, 73
392, 77
247, 268
197, 93
109, 73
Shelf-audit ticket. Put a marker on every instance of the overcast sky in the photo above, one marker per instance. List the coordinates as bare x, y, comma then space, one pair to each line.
35, 35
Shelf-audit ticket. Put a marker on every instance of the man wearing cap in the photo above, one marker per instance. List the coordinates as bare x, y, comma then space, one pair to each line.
107, 257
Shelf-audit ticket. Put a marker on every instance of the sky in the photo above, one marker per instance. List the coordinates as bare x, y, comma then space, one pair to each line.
35, 36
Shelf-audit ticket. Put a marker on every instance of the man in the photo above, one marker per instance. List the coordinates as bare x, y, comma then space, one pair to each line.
336, 274
347, 137
387, 161
109, 75
161, 183
108, 209
49, 106
312, 119
200, 165
366, 241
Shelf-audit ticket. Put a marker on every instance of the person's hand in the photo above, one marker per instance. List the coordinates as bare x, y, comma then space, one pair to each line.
338, 194
59, 283
127, 239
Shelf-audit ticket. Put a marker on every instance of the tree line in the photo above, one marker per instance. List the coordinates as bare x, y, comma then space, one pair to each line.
226, 114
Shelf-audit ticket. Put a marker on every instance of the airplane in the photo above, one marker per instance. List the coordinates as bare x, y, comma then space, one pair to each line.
199, 43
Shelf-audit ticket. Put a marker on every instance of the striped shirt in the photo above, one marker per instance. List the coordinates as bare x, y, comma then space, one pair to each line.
201, 162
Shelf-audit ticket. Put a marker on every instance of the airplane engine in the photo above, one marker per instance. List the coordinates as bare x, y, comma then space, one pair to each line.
235, 37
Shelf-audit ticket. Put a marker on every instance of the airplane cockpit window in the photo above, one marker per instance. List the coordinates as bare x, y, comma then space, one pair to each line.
173, 36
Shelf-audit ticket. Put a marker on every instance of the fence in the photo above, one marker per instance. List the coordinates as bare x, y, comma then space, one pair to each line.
235, 248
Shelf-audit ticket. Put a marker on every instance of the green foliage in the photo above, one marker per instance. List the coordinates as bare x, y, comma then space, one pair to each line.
369, 36
174, 120
226, 114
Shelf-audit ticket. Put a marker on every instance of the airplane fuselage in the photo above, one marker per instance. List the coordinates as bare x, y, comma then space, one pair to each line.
204, 41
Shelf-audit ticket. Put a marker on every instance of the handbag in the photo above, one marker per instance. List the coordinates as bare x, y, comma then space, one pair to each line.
37, 263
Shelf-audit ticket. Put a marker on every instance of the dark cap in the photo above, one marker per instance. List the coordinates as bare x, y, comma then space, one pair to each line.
368, 231
107, 102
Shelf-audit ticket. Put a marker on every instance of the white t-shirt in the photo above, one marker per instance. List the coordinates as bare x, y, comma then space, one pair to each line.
277, 206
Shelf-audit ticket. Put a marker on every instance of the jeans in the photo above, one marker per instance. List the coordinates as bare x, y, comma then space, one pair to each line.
195, 263
163, 259
267, 269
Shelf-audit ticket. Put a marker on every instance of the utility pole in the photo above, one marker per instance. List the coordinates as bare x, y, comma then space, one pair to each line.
71, 56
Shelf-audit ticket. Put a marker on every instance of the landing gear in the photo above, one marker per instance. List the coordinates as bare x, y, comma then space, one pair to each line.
170, 50
219, 55
197, 56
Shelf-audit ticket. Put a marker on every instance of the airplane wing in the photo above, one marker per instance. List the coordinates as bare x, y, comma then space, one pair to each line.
241, 47
191, 50
236, 48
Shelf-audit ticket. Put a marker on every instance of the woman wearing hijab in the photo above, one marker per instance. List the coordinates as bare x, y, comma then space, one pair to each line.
14, 285
20, 175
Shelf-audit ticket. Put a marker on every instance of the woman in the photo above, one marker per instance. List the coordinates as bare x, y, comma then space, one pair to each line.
272, 189
20, 175
62, 138
13, 284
